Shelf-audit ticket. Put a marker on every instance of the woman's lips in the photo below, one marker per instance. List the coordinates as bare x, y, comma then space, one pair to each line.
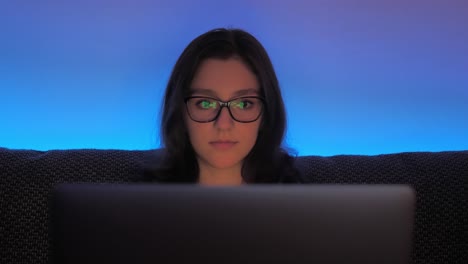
223, 145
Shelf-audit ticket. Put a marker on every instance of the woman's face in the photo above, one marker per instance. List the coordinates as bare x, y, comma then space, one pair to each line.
224, 142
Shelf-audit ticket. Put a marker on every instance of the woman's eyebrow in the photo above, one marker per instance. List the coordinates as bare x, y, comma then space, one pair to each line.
246, 92
202, 91
210, 92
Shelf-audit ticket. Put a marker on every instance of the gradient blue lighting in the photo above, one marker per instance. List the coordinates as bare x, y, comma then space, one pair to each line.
358, 77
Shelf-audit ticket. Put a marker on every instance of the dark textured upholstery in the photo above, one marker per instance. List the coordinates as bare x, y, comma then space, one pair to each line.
440, 180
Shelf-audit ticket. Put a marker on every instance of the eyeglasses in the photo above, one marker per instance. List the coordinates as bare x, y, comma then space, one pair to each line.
206, 109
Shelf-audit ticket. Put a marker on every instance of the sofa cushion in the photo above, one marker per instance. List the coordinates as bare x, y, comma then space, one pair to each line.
28, 176
441, 184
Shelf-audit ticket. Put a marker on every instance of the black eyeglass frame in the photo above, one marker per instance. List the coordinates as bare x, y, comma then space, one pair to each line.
227, 105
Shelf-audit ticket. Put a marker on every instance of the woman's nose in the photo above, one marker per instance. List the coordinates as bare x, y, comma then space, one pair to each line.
224, 119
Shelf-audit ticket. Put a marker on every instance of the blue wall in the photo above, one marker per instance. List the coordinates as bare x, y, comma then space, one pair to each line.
358, 77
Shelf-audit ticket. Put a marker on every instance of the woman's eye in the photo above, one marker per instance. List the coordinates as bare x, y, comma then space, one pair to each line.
206, 104
243, 104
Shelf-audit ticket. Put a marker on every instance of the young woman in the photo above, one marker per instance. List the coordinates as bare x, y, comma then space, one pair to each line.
223, 116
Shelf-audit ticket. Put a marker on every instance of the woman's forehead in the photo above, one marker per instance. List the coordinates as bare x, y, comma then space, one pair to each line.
224, 77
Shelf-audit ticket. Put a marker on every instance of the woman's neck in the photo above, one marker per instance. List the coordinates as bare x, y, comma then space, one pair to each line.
220, 177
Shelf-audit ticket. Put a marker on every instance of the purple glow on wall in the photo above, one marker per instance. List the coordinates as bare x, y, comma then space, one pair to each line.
360, 77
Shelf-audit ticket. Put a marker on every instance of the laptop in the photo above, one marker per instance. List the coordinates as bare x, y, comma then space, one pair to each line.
157, 223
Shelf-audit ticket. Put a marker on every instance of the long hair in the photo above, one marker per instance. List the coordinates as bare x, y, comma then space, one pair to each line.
267, 161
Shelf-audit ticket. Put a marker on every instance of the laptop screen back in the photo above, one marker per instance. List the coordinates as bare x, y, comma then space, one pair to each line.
106, 223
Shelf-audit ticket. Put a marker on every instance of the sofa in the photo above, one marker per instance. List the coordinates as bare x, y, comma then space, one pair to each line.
439, 179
